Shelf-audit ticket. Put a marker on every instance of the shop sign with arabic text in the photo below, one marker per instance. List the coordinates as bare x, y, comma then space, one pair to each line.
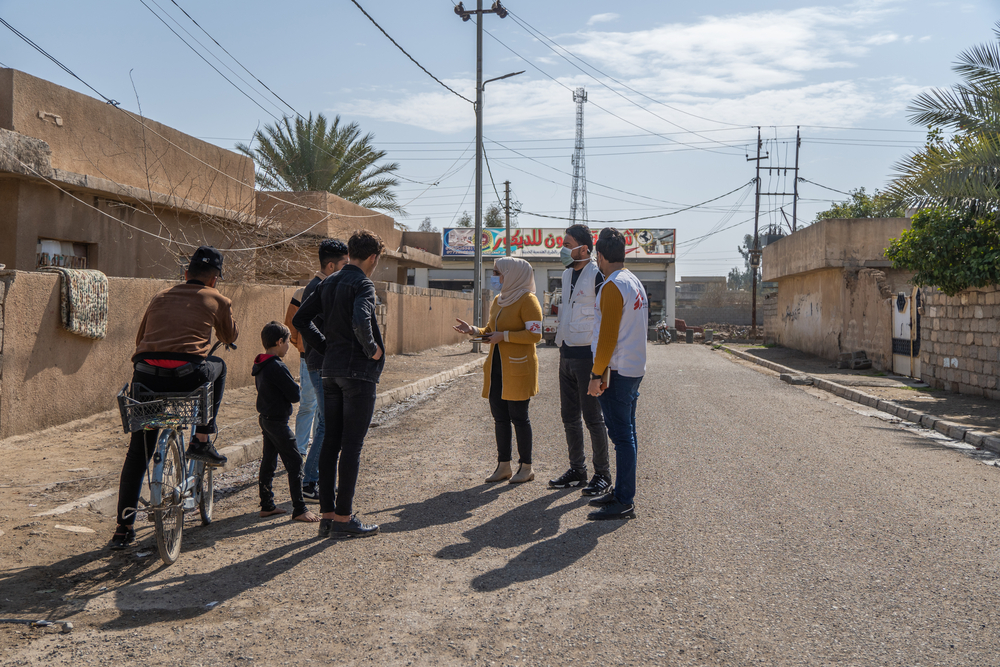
542, 242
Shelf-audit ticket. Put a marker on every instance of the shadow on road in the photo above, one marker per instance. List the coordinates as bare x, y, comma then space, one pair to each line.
445, 508
534, 523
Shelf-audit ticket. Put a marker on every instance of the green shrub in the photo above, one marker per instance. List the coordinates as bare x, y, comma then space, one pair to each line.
949, 249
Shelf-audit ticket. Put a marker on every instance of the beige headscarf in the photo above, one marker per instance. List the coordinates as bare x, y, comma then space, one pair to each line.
518, 279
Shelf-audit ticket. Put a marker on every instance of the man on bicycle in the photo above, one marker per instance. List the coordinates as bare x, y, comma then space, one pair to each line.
171, 355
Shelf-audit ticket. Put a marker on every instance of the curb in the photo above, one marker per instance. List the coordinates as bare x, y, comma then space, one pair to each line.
245, 451
960, 432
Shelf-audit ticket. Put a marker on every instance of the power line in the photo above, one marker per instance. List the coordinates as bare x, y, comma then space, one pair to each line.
198, 53
154, 235
648, 217
545, 40
806, 180
607, 111
235, 59
48, 55
408, 55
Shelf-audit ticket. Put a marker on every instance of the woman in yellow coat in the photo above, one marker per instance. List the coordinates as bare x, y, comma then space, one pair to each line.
510, 374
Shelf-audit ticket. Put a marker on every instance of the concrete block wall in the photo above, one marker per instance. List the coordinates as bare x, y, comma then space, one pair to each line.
737, 315
769, 314
961, 339
418, 318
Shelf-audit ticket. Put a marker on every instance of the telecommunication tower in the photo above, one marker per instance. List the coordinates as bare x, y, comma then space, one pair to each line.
578, 207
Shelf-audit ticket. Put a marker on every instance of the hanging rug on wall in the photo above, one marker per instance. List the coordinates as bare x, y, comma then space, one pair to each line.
83, 301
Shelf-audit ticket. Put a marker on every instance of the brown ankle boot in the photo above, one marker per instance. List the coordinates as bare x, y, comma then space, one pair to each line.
524, 474
502, 472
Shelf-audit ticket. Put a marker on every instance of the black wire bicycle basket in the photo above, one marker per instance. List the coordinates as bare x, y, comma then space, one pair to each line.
142, 408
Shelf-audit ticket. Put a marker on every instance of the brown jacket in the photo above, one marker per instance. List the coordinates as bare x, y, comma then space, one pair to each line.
180, 320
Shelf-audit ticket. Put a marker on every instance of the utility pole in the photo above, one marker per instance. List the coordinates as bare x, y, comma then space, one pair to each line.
477, 288
506, 210
795, 181
755, 251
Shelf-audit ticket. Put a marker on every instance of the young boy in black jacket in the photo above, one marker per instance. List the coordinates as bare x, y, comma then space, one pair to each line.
276, 391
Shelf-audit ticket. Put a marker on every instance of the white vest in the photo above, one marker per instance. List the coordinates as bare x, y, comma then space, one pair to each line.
576, 312
629, 357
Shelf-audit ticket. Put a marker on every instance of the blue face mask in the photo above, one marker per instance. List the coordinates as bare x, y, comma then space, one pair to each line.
495, 283
566, 256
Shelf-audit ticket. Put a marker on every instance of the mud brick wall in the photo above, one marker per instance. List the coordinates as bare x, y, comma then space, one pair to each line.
961, 337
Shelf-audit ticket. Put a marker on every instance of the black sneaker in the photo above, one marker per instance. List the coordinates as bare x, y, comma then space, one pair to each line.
325, 526
613, 510
599, 485
568, 479
123, 537
342, 530
205, 452
606, 498
310, 493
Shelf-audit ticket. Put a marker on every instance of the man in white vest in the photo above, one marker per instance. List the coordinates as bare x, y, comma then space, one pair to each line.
580, 282
619, 345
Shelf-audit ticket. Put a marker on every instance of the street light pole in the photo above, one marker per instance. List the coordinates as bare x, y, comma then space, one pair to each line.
477, 287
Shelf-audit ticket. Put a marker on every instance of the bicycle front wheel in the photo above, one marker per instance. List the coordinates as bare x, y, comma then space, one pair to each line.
206, 495
168, 512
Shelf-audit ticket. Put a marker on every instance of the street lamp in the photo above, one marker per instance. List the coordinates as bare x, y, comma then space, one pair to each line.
466, 14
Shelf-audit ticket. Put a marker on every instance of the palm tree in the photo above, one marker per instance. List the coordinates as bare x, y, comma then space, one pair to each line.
963, 172
306, 154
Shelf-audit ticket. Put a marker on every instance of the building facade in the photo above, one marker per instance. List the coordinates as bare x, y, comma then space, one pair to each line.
650, 255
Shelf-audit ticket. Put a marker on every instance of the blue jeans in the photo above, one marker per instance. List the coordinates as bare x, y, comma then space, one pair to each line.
307, 410
618, 403
311, 472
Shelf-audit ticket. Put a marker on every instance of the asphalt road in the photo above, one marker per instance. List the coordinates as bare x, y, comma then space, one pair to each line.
774, 528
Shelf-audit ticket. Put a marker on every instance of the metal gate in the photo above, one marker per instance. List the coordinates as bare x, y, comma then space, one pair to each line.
906, 334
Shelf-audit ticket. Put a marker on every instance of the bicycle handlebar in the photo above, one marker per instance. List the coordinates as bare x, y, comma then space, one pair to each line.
218, 344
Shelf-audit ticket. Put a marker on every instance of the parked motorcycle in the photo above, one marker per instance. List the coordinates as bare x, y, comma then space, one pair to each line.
663, 332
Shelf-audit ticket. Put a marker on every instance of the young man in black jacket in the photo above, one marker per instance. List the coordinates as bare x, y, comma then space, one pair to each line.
353, 350
276, 391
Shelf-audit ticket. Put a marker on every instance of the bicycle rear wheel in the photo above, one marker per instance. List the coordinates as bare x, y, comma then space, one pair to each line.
206, 493
168, 512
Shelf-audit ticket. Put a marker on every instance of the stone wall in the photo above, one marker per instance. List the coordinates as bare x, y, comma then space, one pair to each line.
961, 339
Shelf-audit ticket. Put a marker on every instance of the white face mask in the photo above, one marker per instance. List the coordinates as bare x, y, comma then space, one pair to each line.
495, 283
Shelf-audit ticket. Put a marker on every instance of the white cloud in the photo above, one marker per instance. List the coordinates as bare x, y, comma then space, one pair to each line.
800, 66
602, 18
882, 38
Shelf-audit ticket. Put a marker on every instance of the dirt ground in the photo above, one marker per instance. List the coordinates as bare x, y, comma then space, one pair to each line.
44, 470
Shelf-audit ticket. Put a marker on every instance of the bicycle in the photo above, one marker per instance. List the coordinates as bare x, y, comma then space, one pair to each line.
175, 483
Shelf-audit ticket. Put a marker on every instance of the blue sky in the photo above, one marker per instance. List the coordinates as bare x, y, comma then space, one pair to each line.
702, 76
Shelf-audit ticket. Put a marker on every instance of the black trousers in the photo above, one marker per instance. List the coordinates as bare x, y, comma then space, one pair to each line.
280, 441
507, 414
574, 379
348, 408
142, 444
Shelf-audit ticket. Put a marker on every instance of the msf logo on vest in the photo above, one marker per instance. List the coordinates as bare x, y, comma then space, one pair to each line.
640, 302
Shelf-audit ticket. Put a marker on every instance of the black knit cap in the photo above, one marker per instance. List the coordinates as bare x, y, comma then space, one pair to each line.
206, 257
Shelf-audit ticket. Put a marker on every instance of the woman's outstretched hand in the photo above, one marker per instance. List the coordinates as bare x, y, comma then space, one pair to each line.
463, 327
